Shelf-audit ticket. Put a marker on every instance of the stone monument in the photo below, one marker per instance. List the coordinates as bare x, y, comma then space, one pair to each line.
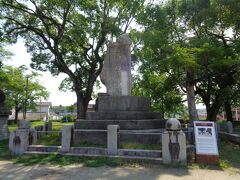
4, 113
116, 72
117, 106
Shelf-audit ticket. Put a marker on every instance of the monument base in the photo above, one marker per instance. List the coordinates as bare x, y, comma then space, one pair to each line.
122, 103
207, 159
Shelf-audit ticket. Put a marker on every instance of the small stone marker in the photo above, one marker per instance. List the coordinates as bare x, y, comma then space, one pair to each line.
48, 126
174, 143
66, 138
32, 136
112, 139
229, 127
24, 124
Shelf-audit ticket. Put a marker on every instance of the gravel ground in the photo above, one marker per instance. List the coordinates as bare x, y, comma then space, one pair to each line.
8, 170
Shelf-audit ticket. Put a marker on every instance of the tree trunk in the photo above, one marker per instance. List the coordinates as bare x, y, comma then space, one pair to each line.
228, 110
192, 110
82, 106
17, 109
211, 115
212, 112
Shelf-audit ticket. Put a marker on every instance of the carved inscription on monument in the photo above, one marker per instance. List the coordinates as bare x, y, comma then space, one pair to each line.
116, 72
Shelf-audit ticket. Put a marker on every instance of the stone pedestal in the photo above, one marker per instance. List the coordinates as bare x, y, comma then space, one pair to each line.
122, 103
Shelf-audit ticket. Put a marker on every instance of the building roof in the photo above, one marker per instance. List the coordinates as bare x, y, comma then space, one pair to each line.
44, 104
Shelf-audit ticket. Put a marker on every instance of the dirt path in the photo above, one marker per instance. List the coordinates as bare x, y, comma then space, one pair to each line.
76, 172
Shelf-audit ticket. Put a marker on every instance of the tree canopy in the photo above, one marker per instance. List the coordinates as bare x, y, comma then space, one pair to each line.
196, 43
69, 36
19, 92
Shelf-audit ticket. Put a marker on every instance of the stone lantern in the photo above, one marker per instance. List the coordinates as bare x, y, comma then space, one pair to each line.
4, 114
173, 143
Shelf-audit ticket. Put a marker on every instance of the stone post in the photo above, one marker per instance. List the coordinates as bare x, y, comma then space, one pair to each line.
48, 126
174, 143
229, 127
32, 136
66, 138
24, 124
112, 139
20, 138
4, 114
19, 141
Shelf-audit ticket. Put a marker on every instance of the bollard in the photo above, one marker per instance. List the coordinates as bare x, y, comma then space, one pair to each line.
112, 139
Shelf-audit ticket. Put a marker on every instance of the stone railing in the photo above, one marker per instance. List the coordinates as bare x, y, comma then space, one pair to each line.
21, 139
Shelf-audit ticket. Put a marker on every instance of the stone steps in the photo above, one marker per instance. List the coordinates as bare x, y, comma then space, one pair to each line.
124, 124
97, 152
43, 148
151, 159
123, 115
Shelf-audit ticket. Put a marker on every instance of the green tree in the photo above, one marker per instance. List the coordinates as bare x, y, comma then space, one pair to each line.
161, 90
69, 36
215, 29
162, 51
13, 83
197, 44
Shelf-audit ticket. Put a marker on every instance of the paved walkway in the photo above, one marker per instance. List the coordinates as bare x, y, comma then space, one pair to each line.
76, 172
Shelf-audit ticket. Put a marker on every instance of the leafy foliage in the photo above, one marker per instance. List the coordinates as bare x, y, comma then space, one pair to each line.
69, 36
13, 83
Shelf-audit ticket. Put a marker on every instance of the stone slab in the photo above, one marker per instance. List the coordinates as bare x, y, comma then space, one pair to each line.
229, 137
116, 71
124, 124
112, 139
122, 103
129, 115
43, 148
66, 138
140, 152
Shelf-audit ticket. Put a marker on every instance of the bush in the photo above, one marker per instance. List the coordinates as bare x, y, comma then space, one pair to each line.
68, 118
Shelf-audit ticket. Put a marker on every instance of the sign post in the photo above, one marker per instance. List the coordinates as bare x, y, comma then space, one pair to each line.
206, 142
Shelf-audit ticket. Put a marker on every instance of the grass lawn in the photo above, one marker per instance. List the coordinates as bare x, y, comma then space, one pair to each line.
56, 125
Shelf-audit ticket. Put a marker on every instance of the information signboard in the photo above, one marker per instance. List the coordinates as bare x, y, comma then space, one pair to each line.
205, 138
